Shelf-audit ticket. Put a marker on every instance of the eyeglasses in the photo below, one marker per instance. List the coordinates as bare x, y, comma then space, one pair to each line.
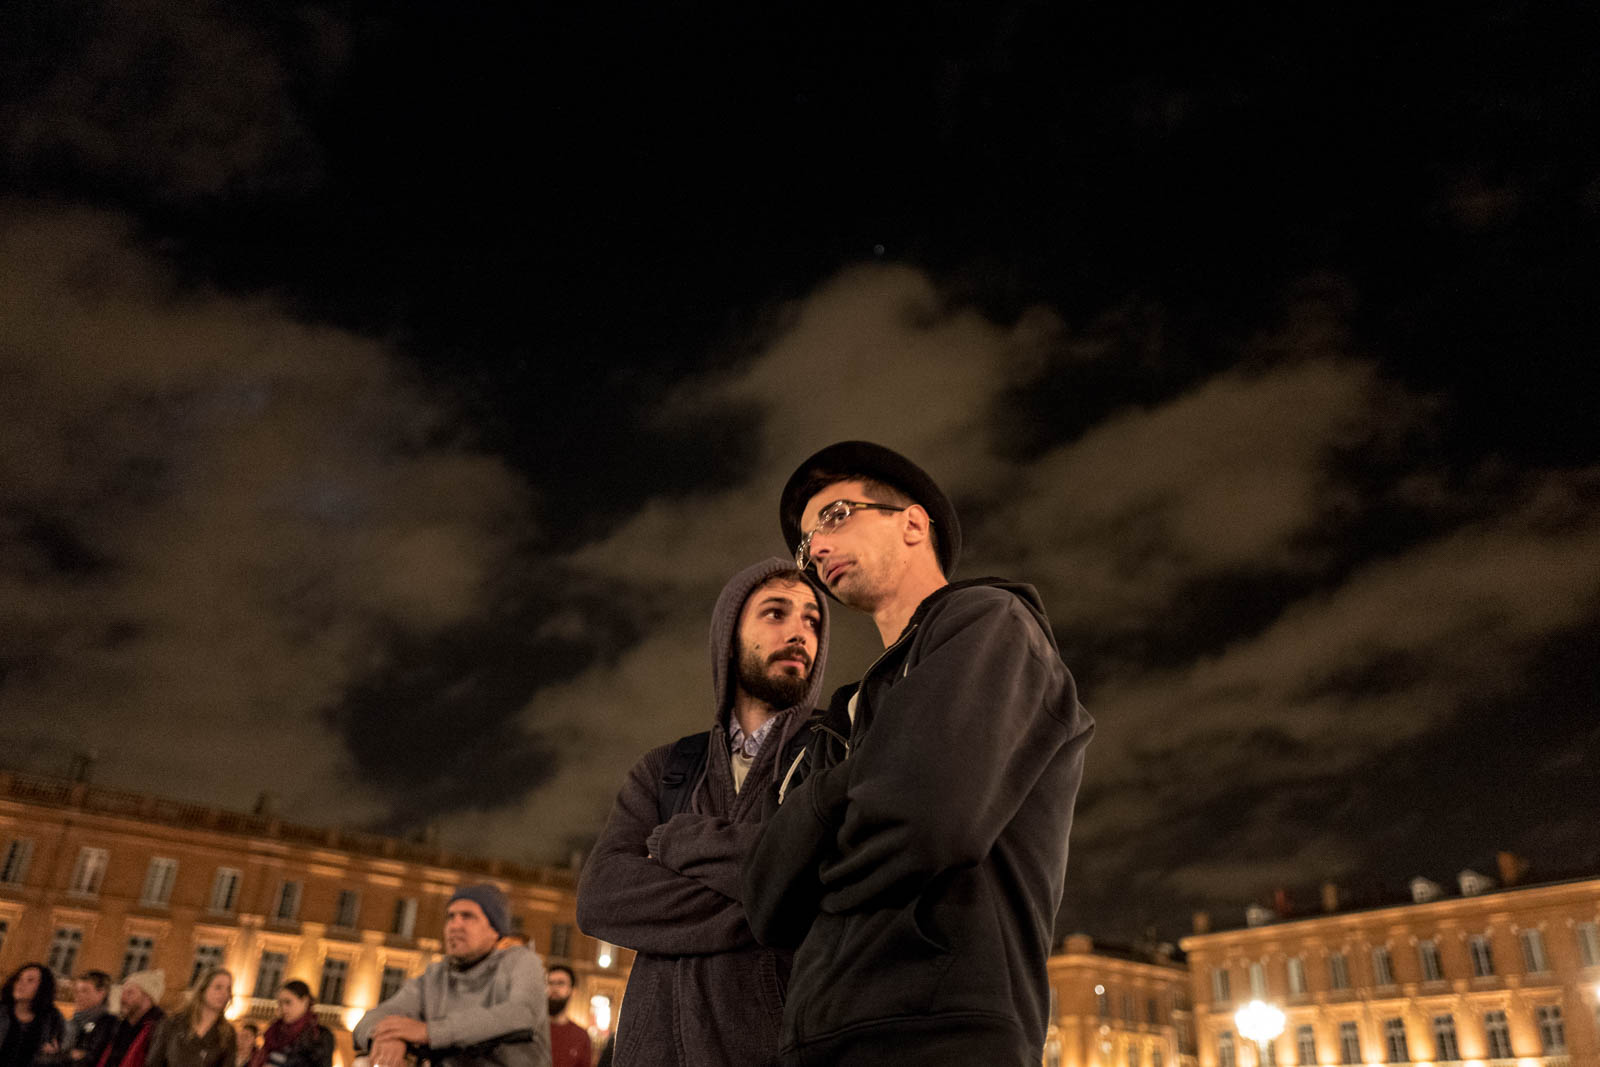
829, 519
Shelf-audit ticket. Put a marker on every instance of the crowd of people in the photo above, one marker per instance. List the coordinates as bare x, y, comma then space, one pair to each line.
873, 883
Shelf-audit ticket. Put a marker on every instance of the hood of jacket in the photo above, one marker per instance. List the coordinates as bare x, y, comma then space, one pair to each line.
725, 638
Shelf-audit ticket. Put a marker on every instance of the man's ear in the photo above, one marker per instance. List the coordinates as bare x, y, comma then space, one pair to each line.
914, 524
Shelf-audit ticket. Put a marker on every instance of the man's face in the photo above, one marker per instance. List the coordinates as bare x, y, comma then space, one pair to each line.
134, 1002
559, 991
85, 997
778, 632
467, 933
859, 559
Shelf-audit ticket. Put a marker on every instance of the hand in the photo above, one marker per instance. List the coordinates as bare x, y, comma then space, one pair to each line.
400, 1028
388, 1053
50, 1048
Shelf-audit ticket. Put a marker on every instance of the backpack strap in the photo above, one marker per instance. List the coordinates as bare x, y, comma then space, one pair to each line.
684, 764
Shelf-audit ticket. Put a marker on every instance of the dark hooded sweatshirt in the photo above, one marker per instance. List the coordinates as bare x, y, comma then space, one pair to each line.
920, 874
702, 992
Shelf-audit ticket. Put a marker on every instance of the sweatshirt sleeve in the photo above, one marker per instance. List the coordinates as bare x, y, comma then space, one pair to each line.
407, 1003
707, 848
955, 746
782, 892
630, 899
524, 1008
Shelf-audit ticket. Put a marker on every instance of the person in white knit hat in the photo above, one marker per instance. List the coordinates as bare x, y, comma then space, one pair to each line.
141, 1011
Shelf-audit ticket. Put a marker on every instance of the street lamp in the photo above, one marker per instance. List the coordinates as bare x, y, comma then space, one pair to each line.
1259, 1021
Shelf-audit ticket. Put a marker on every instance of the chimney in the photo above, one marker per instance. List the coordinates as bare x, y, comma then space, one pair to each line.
82, 766
1512, 867
1424, 890
1079, 943
1256, 915
1281, 903
1330, 897
1472, 883
1202, 922
267, 805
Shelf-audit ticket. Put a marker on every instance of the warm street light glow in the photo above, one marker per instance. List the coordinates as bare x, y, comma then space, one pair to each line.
1259, 1021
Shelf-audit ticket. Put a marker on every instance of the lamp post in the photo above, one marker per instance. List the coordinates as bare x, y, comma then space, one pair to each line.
1259, 1021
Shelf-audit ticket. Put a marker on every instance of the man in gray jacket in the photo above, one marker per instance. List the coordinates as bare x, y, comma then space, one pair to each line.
919, 863
475, 1008
702, 993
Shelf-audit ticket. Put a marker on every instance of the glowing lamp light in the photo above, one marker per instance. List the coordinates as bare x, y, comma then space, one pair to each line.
604, 958
600, 1011
352, 1016
1259, 1021
1099, 990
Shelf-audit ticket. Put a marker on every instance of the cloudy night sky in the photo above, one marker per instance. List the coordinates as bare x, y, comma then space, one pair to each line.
386, 390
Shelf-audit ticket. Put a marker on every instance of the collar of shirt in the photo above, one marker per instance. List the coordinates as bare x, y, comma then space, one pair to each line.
744, 744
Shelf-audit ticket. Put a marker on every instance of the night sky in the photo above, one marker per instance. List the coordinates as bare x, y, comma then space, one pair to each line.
386, 391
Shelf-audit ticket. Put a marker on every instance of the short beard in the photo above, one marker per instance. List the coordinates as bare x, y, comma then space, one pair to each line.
782, 691
557, 1006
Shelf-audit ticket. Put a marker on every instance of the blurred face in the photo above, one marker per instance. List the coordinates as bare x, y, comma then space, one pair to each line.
27, 984
218, 991
292, 1008
859, 560
134, 1002
559, 991
85, 997
778, 633
467, 933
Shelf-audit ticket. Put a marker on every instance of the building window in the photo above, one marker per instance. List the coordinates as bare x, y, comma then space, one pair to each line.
5, 928
1533, 951
1102, 1002
1394, 1040
269, 975
347, 910
405, 918
1127, 1007
1297, 975
561, 940
1055, 1006
1482, 956
1338, 972
225, 890
64, 945
1225, 1056
136, 955
1052, 1053
393, 979
1305, 1046
206, 958
1349, 1043
1428, 959
1133, 1054
1382, 967
1552, 1031
331, 989
158, 879
1269, 1054
18, 857
1588, 944
287, 906
1155, 1056
1444, 1038
1258, 980
1497, 1035
1219, 985
89, 871
1152, 1013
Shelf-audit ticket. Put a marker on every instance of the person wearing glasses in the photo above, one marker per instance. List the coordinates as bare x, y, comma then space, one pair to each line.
917, 859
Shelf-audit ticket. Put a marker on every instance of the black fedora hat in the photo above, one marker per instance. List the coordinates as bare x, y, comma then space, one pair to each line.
864, 459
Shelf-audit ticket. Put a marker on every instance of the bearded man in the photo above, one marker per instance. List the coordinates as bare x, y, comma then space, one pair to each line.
664, 878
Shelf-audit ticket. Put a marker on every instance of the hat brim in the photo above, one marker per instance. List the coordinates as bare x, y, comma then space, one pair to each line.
868, 460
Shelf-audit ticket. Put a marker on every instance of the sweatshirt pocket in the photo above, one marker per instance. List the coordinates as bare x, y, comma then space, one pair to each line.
883, 964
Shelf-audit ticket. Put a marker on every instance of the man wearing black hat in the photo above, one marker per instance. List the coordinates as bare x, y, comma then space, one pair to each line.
475, 1008
918, 857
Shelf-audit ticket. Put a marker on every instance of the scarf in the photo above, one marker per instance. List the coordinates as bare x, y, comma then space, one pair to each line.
281, 1035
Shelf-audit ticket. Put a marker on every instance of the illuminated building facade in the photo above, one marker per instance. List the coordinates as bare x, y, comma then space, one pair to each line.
101, 878
1112, 1008
1493, 976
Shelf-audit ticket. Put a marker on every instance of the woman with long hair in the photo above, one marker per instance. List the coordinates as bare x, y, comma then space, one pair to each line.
29, 1018
295, 1039
197, 1034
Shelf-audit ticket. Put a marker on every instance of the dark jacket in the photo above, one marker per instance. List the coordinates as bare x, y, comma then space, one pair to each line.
175, 1044
47, 1026
87, 1032
312, 1047
921, 874
702, 993
130, 1042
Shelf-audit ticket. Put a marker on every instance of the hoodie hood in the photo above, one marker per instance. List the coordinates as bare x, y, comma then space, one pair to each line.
725, 637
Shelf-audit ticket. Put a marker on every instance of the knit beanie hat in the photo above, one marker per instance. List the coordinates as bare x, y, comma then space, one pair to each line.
487, 895
151, 983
